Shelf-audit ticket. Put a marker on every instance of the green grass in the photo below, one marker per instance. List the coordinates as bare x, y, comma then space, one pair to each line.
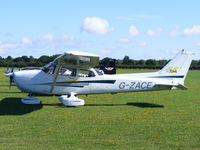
141, 120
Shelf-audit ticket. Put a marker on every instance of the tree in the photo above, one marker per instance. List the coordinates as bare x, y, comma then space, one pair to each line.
44, 59
25, 59
140, 62
104, 61
126, 60
151, 62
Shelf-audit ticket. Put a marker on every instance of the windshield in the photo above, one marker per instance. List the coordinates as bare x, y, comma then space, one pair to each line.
49, 68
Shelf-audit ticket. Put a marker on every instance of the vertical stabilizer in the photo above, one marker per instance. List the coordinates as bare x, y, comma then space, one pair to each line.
178, 67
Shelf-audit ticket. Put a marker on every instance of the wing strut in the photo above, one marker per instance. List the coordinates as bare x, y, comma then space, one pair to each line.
56, 76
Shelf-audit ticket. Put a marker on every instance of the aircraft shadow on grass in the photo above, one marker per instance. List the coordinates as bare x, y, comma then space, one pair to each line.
14, 106
141, 105
145, 105
137, 104
55, 104
10, 92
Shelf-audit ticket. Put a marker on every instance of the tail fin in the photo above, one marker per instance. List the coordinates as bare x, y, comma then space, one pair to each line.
178, 67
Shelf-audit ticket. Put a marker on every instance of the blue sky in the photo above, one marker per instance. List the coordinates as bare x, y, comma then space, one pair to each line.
140, 29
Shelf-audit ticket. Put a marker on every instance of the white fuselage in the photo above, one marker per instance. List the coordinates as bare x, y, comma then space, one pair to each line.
39, 82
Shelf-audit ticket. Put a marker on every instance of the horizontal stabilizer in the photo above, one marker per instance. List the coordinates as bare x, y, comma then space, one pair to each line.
171, 86
182, 87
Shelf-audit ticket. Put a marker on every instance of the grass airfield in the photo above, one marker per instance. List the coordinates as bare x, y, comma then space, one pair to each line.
141, 120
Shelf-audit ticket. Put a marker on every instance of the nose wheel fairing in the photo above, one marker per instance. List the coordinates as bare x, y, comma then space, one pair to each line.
30, 100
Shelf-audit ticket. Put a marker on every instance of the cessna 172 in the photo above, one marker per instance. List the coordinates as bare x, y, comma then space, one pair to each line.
71, 74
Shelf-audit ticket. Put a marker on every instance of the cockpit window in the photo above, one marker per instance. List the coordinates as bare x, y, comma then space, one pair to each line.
90, 73
86, 73
49, 68
68, 71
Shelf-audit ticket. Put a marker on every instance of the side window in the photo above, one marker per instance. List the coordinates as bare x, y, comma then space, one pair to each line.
68, 71
86, 73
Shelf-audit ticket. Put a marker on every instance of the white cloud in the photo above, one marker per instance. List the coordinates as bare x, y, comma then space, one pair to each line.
142, 44
133, 31
96, 25
48, 37
125, 18
175, 32
27, 41
51, 38
150, 32
4, 47
47, 41
50, 46
65, 38
137, 16
195, 30
105, 51
198, 44
124, 40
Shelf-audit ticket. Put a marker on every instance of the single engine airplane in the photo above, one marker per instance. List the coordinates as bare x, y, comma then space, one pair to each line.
71, 74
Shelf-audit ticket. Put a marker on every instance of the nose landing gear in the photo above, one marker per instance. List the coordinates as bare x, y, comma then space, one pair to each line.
71, 100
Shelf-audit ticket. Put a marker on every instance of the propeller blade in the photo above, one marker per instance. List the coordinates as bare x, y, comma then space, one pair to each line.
12, 67
11, 80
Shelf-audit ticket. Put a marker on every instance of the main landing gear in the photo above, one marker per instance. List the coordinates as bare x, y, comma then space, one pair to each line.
71, 100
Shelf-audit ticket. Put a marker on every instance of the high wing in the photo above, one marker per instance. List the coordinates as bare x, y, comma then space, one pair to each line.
74, 59
81, 60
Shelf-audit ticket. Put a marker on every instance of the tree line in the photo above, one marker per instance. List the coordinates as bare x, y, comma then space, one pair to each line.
125, 63
128, 63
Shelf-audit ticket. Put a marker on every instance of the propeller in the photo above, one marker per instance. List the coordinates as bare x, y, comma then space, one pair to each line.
12, 68
7, 67
11, 76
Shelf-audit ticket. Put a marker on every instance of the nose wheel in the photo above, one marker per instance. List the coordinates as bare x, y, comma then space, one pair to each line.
71, 100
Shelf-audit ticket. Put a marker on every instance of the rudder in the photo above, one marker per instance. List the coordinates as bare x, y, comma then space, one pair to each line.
178, 66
